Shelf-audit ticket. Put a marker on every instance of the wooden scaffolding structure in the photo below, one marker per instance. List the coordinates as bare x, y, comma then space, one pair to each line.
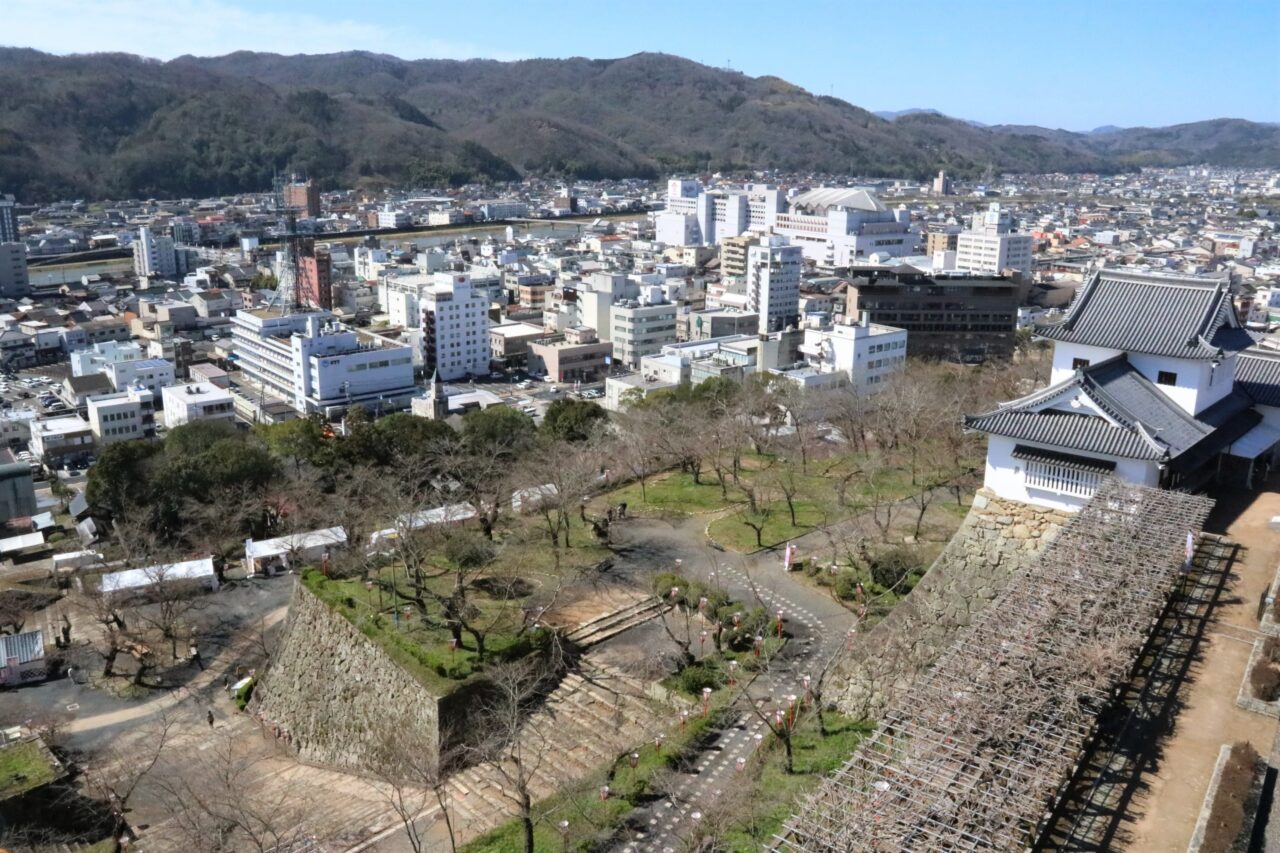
974, 755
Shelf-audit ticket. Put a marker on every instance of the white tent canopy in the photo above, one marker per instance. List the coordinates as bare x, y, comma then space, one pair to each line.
304, 546
188, 570
448, 514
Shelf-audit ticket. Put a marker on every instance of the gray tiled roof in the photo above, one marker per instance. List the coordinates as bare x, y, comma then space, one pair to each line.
1258, 375
1148, 425
1160, 314
1068, 430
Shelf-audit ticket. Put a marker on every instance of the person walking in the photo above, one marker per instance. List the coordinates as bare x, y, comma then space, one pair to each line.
209, 717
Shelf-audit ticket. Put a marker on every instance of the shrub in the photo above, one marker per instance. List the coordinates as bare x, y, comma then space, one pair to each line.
468, 550
56, 537
697, 676
890, 568
846, 585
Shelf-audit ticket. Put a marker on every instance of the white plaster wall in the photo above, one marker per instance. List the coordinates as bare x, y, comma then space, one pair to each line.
1004, 476
1063, 354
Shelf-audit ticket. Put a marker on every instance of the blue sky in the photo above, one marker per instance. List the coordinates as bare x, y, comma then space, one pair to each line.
1076, 65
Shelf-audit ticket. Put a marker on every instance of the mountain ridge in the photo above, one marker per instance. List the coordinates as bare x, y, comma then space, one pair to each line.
114, 125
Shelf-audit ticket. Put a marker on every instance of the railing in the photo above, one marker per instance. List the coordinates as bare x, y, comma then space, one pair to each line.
1066, 479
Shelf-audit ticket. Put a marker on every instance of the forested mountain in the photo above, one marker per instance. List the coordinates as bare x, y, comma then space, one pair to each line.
111, 125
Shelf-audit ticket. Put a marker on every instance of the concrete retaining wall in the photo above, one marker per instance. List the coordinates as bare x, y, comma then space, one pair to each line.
337, 693
996, 539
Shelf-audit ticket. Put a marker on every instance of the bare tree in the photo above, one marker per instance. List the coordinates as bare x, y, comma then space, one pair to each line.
514, 751
413, 778
115, 774
225, 798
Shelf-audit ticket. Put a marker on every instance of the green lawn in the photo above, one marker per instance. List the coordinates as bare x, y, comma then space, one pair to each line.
674, 491
734, 533
825, 490
24, 766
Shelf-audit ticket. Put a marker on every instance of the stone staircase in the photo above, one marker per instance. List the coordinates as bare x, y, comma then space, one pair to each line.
614, 623
590, 719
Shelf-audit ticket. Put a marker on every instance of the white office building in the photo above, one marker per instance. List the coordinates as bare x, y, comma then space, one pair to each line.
319, 365
695, 216
455, 327
390, 218
640, 329
58, 440
773, 283
989, 246
149, 373
502, 208
124, 416
833, 226
196, 401
158, 256
95, 359
863, 354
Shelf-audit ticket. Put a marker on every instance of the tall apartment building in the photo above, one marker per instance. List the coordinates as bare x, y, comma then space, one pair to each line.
990, 246
14, 283
126, 415
773, 284
942, 184
455, 327
941, 238
157, 256
319, 365
733, 255
315, 276
184, 229
952, 317
8, 219
304, 196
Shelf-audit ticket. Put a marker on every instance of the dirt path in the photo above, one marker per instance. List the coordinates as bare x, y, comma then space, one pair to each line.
1165, 811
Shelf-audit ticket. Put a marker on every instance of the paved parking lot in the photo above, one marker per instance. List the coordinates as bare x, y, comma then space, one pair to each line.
24, 389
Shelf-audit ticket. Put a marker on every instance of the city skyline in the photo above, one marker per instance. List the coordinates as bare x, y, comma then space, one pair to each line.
987, 65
